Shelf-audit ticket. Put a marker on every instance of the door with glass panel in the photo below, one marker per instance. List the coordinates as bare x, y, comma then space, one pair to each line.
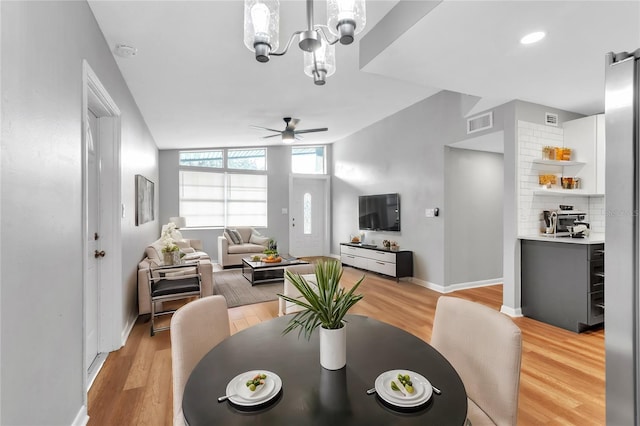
308, 218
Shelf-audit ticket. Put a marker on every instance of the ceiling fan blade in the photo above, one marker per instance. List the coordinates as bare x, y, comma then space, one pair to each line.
265, 128
271, 136
320, 129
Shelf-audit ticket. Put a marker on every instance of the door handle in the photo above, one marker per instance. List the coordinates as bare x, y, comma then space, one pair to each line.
98, 254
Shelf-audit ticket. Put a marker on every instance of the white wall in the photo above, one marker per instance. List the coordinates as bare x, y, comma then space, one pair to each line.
41, 310
278, 169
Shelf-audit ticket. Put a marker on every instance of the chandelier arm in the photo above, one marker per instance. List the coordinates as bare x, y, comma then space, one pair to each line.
286, 48
321, 28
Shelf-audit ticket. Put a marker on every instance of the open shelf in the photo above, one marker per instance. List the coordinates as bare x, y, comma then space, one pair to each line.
558, 162
558, 192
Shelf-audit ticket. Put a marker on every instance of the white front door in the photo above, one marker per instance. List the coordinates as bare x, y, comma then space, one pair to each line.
308, 219
93, 237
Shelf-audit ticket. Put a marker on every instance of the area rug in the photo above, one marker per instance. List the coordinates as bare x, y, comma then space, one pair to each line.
238, 291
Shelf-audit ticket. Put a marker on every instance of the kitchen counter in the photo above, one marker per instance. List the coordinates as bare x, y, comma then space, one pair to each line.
593, 238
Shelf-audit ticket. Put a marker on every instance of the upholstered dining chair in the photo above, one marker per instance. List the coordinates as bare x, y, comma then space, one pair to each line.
485, 348
196, 328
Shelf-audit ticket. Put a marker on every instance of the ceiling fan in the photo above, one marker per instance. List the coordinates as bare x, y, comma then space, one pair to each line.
289, 134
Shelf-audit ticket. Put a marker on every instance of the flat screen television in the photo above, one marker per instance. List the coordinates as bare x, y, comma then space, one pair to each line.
379, 212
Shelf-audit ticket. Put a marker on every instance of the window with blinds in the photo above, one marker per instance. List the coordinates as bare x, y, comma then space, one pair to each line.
226, 196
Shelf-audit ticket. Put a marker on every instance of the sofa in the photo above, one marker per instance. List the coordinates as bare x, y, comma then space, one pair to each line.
153, 257
239, 242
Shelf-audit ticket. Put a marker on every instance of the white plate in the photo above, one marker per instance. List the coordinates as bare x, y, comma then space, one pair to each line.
421, 385
243, 395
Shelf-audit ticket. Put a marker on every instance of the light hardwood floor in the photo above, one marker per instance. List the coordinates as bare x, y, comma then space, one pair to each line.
562, 377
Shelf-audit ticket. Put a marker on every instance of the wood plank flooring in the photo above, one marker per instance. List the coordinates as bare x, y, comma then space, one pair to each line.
562, 378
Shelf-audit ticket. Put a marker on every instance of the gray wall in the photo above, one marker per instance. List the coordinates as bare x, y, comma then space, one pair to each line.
278, 169
403, 153
41, 309
474, 203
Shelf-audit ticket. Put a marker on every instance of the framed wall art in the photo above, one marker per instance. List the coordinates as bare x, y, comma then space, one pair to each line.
145, 200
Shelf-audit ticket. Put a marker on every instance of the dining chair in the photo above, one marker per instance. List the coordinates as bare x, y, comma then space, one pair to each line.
196, 328
485, 348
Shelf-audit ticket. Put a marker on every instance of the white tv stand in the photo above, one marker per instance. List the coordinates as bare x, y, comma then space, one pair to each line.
395, 264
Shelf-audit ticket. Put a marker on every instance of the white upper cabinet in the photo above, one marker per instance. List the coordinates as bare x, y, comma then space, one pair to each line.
585, 136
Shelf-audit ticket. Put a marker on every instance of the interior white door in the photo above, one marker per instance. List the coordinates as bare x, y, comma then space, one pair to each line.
308, 216
93, 243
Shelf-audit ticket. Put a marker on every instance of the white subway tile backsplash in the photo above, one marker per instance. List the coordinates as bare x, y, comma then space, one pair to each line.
531, 139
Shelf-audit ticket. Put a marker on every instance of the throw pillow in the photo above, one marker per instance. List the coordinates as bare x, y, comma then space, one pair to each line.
237, 235
256, 239
227, 235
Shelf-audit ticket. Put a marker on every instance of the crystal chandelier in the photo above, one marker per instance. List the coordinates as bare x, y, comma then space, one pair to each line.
345, 19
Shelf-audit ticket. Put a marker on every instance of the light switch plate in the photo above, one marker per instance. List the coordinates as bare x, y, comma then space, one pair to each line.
285, 210
430, 213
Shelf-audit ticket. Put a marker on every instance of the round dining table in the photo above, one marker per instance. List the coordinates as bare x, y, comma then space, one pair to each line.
312, 395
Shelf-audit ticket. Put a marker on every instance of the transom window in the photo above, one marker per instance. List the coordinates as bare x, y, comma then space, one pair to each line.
212, 195
308, 159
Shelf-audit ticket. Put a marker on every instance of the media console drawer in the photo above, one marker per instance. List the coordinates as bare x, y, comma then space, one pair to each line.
395, 264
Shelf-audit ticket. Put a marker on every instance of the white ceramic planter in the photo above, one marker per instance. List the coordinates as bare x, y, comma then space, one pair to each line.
333, 348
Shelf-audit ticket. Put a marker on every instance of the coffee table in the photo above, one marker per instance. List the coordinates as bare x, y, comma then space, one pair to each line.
263, 272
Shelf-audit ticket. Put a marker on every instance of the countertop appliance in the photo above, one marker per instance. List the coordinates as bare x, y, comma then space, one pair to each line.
622, 121
564, 222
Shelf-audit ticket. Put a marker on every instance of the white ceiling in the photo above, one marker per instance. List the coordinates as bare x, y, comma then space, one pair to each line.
198, 86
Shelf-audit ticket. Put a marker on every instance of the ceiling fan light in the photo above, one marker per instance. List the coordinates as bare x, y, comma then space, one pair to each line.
346, 18
261, 27
288, 137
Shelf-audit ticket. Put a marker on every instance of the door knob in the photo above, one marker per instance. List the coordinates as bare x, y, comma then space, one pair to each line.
98, 254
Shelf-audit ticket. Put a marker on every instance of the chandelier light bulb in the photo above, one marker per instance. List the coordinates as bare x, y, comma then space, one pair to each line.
260, 17
261, 27
346, 18
345, 9
321, 63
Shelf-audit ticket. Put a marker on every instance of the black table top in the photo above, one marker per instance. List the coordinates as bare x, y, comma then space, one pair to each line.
312, 395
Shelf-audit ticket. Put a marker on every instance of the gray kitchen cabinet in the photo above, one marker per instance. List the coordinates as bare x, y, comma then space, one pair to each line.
563, 284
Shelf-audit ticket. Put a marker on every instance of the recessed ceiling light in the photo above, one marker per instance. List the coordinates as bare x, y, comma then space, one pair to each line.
532, 37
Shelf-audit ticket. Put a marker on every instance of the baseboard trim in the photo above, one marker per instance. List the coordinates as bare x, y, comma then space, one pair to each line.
82, 418
455, 287
127, 330
426, 284
512, 312
473, 284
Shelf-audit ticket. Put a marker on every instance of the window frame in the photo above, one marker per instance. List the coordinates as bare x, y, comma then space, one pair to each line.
324, 159
226, 171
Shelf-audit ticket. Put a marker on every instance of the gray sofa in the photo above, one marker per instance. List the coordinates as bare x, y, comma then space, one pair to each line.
231, 253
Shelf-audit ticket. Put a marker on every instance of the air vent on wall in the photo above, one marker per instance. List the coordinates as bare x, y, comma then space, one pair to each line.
480, 122
550, 119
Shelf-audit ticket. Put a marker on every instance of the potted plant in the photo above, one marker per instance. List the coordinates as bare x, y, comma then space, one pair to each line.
326, 303
170, 251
